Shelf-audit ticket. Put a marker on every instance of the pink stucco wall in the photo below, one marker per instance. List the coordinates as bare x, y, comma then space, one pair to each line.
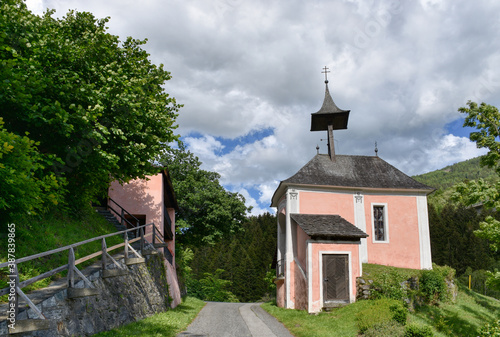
327, 203
403, 248
141, 196
353, 249
280, 292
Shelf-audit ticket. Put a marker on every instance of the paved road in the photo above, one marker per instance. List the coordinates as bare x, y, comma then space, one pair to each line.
218, 319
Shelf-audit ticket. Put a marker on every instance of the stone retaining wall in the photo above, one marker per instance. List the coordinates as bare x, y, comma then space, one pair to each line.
122, 299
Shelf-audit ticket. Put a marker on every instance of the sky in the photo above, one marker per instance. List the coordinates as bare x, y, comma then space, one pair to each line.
249, 74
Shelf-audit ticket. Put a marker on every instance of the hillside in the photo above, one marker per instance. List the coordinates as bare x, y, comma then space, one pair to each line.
452, 174
444, 179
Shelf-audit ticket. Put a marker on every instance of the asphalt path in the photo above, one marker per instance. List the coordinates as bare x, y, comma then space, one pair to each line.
219, 319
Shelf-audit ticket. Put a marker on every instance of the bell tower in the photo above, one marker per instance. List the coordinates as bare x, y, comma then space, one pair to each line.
329, 117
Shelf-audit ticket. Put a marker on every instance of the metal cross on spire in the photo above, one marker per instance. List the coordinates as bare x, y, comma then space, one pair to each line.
325, 71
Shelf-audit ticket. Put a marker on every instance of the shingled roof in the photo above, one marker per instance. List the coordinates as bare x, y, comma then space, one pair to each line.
351, 172
330, 227
354, 171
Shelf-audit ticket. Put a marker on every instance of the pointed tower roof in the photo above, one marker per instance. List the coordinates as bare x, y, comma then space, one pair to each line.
329, 114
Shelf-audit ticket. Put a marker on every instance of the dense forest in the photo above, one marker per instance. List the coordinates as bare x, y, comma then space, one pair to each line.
240, 265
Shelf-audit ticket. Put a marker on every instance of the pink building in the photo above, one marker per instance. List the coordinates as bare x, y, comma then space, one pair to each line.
339, 211
151, 200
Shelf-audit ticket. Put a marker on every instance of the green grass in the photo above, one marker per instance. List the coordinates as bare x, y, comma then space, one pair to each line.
465, 317
36, 235
165, 324
341, 320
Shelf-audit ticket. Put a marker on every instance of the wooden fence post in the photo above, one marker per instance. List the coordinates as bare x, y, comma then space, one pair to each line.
16, 296
142, 240
71, 268
104, 252
126, 245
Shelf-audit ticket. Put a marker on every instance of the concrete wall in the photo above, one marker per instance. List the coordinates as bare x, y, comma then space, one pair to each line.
122, 299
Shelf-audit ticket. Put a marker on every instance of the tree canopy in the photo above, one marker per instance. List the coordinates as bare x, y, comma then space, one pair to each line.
93, 105
486, 119
207, 212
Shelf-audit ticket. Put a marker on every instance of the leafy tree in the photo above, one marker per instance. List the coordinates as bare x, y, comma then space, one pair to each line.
25, 189
207, 212
486, 119
94, 103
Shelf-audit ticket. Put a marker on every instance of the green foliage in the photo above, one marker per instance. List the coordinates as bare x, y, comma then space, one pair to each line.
432, 286
94, 104
215, 288
399, 313
490, 329
378, 312
493, 280
207, 212
25, 187
415, 330
410, 285
389, 285
385, 329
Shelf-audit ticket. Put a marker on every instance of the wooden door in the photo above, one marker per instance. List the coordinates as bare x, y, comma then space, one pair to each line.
335, 277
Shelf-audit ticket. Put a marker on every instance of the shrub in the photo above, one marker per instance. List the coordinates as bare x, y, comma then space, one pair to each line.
432, 286
386, 329
414, 330
399, 313
378, 313
388, 285
213, 288
492, 329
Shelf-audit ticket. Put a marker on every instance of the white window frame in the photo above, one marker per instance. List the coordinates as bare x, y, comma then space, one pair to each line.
386, 222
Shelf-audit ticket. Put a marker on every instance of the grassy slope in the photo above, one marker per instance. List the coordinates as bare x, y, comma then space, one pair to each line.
464, 317
165, 324
35, 235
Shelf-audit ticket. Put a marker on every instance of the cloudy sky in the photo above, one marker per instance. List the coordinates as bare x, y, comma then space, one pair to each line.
249, 76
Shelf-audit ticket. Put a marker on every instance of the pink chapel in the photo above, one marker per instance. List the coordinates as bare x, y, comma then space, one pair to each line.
340, 211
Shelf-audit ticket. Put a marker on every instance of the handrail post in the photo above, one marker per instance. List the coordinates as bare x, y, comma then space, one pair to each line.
122, 216
142, 240
126, 245
16, 296
104, 252
154, 234
71, 268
